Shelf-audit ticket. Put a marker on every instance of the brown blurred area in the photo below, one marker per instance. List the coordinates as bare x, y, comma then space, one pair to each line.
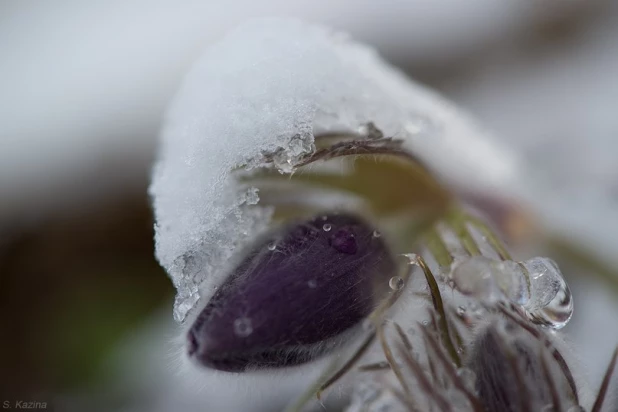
71, 288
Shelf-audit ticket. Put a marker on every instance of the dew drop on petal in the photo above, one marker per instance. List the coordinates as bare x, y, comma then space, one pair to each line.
327, 227
376, 233
396, 282
272, 246
243, 327
550, 302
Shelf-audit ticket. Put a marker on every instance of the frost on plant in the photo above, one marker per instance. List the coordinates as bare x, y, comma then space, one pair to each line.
307, 211
262, 95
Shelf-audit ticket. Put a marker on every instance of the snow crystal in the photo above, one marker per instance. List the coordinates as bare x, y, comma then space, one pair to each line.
269, 87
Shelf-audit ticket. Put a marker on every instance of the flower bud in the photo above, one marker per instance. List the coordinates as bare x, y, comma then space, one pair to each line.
293, 296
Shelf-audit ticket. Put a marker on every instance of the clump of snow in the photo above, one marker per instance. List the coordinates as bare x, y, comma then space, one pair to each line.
270, 86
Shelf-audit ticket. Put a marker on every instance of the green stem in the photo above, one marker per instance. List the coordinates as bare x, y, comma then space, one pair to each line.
438, 248
438, 305
491, 237
458, 221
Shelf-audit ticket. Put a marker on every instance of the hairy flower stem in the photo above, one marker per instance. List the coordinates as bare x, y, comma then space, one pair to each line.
438, 305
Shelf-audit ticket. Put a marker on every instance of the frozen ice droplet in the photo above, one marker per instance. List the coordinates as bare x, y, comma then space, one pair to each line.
475, 276
251, 196
550, 302
412, 258
491, 280
512, 281
396, 282
243, 327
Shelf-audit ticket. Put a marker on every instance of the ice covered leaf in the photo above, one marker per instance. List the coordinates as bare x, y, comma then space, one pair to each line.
263, 93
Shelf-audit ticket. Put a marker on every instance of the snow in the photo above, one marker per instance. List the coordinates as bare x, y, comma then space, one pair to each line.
84, 84
272, 85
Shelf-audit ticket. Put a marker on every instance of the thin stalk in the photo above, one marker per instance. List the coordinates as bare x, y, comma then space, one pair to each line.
391, 360
598, 403
458, 223
438, 305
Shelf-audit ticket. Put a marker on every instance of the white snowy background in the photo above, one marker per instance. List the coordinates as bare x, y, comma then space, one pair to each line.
83, 86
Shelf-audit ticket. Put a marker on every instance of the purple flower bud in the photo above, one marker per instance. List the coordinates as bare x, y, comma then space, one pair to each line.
512, 376
293, 296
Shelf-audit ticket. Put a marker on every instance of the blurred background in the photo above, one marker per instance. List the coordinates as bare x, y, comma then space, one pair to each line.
83, 89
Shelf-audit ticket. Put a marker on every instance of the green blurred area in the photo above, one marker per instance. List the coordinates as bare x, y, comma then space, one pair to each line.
71, 289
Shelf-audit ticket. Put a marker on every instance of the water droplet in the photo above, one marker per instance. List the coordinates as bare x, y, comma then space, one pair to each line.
312, 283
376, 233
272, 246
425, 322
550, 302
491, 280
412, 258
475, 277
243, 327
327, 227
511, 280
396, 282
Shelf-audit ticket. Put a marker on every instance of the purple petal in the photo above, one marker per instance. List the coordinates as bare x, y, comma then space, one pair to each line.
288, 304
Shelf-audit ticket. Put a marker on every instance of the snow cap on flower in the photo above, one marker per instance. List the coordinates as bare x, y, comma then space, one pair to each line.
269, 87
